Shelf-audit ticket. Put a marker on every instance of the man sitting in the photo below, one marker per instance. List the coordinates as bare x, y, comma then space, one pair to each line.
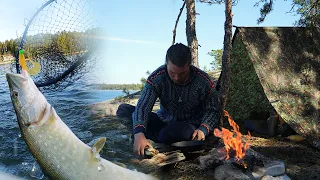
189, 108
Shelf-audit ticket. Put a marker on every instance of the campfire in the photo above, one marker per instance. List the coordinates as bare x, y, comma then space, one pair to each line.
232, 142
236, 160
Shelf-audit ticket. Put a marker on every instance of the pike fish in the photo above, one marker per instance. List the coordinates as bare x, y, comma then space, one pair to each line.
59, 152
6, 176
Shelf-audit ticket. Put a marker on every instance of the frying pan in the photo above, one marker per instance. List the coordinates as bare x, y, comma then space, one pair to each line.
189, 146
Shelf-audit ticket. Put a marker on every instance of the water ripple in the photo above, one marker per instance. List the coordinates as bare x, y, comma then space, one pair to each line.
72, 105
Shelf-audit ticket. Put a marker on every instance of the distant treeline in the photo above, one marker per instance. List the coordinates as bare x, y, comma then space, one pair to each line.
64, 42
118, 86
9, 47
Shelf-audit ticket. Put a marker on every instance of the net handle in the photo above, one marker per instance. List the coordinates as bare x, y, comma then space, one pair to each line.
67, 72
26, 32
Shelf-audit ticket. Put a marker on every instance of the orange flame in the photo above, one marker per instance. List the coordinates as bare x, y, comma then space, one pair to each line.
232, 142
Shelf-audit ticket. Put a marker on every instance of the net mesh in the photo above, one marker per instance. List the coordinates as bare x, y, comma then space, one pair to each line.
61, 38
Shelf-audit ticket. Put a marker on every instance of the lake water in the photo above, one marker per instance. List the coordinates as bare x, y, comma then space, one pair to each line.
73, 106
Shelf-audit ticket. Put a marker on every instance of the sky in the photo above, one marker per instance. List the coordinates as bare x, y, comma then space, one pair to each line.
137, 33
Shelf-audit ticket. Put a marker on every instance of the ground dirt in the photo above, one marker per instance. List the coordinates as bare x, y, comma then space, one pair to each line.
302, 161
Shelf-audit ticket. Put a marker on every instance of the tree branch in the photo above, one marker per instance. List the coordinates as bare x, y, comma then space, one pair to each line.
175, 26
265, 10
210, 2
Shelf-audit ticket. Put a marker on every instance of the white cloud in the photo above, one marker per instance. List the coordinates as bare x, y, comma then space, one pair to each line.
125, 40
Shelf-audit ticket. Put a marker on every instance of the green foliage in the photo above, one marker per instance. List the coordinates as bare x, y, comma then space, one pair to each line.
122, 87
205, 69
121, 99
212, 73
309, 10
143, 80
125, 88
210, 2
68, 43
216, 64
265, 10
126, 91
9, 47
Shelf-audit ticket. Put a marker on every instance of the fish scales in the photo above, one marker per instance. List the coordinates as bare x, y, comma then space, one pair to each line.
59, 152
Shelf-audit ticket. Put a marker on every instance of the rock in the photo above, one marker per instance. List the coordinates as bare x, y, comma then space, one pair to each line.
229, 172
214, 159
225, 169
283, 177
272, 168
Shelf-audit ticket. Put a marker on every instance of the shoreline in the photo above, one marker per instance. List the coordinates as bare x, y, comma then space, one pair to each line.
7, 62
109, 107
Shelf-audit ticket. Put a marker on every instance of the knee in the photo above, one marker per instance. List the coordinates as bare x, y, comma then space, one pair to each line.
125, 110
176, 132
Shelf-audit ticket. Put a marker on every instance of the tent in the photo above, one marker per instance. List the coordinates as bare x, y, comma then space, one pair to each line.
277, 68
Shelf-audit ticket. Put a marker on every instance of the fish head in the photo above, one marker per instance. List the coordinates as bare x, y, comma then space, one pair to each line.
29, 103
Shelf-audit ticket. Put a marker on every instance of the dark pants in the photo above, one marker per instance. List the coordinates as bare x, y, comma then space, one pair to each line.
159, 131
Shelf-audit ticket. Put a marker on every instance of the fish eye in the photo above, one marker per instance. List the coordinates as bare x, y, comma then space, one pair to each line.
15, 94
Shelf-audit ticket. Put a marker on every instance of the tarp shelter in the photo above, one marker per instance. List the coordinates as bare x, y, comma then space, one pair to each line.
277, 68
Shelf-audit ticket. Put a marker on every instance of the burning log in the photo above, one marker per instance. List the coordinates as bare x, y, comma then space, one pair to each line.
257, 165
248, 163
217, 157
231, 142
236, 160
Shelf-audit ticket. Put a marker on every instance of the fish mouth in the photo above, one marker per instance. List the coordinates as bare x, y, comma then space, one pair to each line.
14, 80
13, 75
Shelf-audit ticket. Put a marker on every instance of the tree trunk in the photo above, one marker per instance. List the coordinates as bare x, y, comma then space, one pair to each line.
191, 31
225, 74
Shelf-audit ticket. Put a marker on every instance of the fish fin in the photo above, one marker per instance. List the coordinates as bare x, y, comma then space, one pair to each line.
162, 159
96, 148
45, 118
295, 138
119, 164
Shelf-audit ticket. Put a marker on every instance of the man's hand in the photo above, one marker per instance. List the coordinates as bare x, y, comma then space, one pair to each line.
140, 143
198, 135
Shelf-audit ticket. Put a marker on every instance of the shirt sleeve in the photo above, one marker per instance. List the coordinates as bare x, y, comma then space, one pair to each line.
143, 109
211, 115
